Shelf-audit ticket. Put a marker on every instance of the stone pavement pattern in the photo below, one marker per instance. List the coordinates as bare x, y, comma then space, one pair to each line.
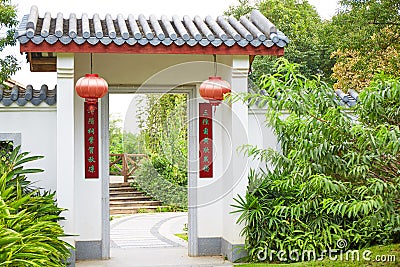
148, 239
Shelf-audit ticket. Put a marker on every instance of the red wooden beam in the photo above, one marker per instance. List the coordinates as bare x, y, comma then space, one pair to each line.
150, 49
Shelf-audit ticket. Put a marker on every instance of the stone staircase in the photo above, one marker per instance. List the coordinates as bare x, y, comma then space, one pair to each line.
125, 199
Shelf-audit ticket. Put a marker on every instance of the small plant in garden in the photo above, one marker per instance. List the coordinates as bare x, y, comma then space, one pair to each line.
168, 209
29, 229
184, 235
336, 175
142, 210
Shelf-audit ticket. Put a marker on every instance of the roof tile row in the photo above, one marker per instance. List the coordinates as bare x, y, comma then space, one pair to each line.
254, 30
350, 99
22, 96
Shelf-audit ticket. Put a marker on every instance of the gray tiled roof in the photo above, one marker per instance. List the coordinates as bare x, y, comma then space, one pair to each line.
254, 30
350, 99
22, 96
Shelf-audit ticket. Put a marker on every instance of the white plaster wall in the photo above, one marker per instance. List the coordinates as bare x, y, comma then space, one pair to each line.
260, 135
37, 126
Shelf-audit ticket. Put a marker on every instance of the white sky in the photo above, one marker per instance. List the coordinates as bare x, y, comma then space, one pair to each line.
120, 103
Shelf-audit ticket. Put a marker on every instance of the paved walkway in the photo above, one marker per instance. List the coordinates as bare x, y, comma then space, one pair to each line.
148, 239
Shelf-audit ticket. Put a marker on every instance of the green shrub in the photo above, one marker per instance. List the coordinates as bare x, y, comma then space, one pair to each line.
150, 181
314, 213
336, 175
169, 171
29, 232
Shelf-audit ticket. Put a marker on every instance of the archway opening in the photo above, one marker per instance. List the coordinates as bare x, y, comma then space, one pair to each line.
149, 172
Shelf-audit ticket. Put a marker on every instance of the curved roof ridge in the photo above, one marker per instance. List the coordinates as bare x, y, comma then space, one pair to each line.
251, 31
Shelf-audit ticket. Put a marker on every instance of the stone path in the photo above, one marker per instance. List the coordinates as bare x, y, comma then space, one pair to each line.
148, 240
148, 230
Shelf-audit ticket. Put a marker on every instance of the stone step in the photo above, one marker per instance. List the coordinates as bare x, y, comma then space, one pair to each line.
123, 189
125, 199
138, 204
114, 185
131, 198
132, 210
126, 194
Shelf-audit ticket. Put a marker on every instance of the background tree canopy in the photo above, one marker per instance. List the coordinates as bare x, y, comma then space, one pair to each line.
361, 40
301, 23
8, 20
367, 37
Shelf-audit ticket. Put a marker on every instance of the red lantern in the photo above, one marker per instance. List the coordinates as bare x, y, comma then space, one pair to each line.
91, 87
214, 90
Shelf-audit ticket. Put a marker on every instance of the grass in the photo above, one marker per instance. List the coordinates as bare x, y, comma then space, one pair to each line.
377, 251
184, 236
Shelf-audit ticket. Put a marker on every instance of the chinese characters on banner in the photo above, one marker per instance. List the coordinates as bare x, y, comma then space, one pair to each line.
205, 139
91, 142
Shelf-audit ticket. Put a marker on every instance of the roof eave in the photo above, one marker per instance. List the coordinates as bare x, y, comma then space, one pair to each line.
150, 49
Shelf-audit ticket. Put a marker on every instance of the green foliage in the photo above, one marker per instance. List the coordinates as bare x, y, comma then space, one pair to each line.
123, 142
149, 180
116, 136
314, 212
242, 8
366, 34
360, 20
6, 148
164, 125
334, 178
29, 229
163, 121
183, 236
8, 20
170, 172
169, 209
301, 23
381, 97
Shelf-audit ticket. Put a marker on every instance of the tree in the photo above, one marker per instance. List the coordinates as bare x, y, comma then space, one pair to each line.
8, 20
336, 175
155, 118
301, 23
122, 141
366, 34
163, 121
116, 136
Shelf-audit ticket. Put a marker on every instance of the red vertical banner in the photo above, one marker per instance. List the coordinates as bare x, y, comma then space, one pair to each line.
91, 142
206, 141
